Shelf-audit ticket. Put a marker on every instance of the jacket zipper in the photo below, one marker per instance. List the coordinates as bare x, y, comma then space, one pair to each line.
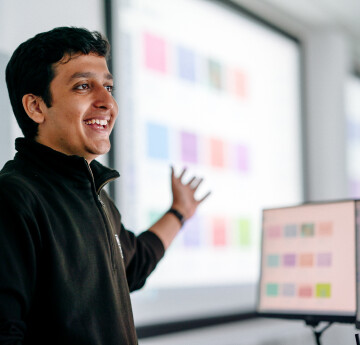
108, 226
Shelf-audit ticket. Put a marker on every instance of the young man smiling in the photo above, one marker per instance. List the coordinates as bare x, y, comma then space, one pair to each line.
67, 264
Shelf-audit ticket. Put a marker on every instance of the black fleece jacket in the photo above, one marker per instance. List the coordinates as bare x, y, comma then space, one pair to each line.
67, 264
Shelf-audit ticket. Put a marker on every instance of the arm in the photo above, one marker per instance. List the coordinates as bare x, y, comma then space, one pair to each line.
141, 253
167, 227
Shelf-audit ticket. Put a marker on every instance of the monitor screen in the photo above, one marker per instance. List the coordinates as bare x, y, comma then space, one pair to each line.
209, 88
308, 263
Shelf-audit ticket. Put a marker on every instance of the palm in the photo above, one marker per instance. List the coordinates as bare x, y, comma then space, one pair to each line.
184, 194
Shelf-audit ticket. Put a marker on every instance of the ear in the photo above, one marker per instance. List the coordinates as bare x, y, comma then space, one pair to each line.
34, 107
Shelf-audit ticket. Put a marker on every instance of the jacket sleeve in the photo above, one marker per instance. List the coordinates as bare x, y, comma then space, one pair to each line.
17, 262
141, 253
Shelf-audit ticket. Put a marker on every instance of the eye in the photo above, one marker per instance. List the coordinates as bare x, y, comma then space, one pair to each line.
110, 88
82, 87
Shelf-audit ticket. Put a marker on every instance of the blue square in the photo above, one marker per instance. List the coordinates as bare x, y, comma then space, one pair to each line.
186, 63
157, 141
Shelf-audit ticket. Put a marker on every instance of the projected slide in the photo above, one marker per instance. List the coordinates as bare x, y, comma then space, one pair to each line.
202, 88
308, 262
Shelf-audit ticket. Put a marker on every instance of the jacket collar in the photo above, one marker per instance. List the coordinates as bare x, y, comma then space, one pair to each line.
73, 167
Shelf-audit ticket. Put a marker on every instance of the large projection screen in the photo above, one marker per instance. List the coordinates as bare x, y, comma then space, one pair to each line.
204, 86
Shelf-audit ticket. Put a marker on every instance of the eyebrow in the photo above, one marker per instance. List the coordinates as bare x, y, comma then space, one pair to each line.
78, 75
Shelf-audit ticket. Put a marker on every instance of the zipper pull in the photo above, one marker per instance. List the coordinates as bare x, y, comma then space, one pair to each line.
119, 245
101, 202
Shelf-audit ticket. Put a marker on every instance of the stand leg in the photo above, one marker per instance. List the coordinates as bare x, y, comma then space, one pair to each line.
317, 334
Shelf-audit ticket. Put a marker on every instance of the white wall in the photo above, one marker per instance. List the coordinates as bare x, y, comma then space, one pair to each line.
21, 20
328, 63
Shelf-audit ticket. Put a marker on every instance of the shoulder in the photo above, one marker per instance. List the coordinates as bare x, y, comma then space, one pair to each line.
15, 185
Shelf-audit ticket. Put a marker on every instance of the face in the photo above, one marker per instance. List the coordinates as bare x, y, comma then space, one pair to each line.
83, 110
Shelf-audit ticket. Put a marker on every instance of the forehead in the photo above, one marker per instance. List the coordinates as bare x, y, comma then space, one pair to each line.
76, 66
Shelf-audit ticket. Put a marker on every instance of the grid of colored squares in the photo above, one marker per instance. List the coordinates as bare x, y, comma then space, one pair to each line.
299, 260
320, 290
218, 232
192, 67
305, 230
220, 153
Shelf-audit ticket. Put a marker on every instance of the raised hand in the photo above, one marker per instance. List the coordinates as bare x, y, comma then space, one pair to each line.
184, 194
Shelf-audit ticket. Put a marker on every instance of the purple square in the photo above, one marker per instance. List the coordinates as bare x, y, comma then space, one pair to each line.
242, 158
324, 259
192, 232
289, 260
189, 151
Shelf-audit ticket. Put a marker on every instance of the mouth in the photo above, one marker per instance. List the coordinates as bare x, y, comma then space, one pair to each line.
97, 123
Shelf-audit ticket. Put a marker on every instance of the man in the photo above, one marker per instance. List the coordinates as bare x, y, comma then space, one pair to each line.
67, 264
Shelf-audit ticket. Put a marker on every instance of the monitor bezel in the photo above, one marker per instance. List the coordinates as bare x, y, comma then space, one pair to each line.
311, 318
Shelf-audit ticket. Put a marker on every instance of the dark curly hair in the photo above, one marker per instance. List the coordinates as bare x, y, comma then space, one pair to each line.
30, 69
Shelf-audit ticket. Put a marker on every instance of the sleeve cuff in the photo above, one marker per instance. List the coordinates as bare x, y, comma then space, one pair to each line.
154, 242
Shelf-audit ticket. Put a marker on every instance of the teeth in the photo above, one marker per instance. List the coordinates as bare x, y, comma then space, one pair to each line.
98, 122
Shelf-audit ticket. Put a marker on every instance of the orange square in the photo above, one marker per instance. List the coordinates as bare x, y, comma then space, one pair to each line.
217, 156
325, 229
306, 260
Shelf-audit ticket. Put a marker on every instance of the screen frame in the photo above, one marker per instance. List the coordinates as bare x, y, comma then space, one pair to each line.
311, 318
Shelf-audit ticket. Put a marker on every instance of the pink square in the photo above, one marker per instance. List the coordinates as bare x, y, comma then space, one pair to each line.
240, 84
155, 52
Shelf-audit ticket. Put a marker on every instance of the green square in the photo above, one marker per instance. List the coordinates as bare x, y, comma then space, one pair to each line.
215, 74
243, 233
273, 260
272, 289
154, 216
308, 230
323, 290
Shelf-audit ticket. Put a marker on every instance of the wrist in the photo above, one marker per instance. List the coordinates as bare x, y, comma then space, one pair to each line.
179, 215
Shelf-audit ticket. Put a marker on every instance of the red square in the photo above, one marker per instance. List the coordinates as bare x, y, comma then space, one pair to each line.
219, 232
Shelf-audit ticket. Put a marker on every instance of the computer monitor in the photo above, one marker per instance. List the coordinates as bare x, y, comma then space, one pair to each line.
308, 262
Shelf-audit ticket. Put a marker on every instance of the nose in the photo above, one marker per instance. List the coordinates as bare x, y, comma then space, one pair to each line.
104, 99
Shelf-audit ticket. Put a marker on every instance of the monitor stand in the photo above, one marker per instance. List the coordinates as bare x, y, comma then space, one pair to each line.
317, 332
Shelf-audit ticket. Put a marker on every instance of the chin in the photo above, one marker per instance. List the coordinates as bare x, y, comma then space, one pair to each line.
101, 150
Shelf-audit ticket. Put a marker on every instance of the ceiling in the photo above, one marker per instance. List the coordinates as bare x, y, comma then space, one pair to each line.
343, 15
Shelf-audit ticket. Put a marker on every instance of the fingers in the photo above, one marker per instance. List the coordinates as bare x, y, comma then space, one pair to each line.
197, 184
204, 197
182, 173
191, 181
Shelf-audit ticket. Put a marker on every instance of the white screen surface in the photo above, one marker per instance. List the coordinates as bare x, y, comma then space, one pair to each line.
309, 260
210, 89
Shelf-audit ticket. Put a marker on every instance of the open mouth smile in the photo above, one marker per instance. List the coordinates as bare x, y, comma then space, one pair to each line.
97, 123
